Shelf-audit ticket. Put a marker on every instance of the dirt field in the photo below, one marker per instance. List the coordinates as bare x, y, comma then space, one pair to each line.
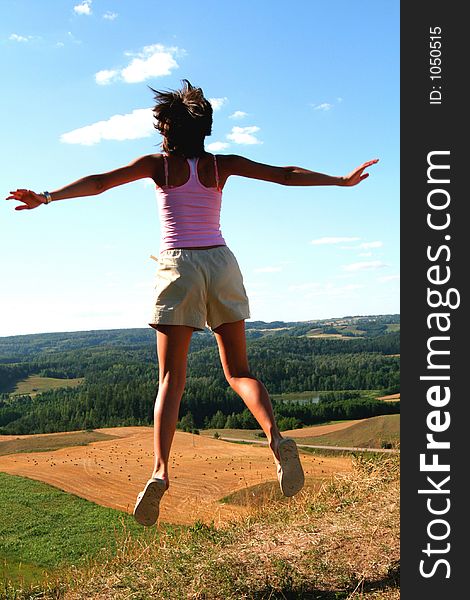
390, 398
318, 429
203, 470
335, 336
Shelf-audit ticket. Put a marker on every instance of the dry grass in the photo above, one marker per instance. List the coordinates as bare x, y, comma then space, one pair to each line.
366, 433
341, 543
316, 430
49, 442
389, 398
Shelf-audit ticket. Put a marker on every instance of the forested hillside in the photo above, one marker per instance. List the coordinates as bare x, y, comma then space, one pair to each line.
120, 375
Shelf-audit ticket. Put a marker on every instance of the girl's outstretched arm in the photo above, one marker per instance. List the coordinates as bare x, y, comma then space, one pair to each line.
90, 185
238, 165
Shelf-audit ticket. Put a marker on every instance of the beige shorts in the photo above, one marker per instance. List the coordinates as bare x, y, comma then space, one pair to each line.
199, 286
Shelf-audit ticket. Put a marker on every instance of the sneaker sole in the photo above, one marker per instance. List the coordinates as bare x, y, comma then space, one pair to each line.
147, 507
292, 476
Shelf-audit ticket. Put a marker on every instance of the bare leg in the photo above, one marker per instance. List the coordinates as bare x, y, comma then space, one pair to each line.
172, 349
232, 349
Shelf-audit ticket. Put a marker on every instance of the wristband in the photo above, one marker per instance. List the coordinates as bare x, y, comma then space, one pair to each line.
48, 197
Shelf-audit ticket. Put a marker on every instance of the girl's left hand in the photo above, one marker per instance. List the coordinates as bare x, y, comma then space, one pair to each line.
29, 198
358, 174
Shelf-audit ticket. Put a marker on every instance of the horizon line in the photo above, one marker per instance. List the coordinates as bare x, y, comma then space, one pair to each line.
248, 322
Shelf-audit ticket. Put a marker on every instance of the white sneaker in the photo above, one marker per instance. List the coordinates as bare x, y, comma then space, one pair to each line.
147, 507
289, 469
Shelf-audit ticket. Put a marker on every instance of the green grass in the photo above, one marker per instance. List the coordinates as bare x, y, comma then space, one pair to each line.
13, 571
46, 443
35, 384
337, 543
43, 528
352, 329
293, 396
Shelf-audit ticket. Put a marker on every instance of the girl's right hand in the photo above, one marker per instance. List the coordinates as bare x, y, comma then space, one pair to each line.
29, 199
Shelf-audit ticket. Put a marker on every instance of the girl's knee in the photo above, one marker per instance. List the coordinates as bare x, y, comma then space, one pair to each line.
172, 381
234, 379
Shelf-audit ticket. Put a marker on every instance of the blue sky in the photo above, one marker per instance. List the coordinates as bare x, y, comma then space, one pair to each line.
313, 84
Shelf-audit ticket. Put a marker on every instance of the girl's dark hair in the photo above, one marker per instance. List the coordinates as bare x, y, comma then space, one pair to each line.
184, 118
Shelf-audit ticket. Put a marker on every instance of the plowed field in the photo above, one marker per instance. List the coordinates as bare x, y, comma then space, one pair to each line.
203, 470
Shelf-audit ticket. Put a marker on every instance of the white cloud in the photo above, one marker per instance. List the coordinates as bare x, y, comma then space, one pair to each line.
105, 76
368, 245
268, 269
365, 254
365, 265
387, 278
217, 146
84, 8
132, 126
326, 106
238, 114
110, 16
323, 106
244, 135
333, 240
217, 103
20, 38
155, 60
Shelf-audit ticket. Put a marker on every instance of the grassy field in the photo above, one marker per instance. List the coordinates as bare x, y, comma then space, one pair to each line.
307, 395
43, 528
258, 435
338, 543
347, 329
365, 433
48, 442
337, 336
342, 330
294, 396
35, 384
369, 433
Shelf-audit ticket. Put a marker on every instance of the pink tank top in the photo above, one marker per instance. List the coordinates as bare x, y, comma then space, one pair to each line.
189, 213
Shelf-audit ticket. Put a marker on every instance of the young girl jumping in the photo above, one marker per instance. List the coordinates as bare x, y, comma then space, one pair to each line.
198, 278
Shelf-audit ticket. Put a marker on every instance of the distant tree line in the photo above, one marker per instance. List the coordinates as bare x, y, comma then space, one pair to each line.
120, 381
